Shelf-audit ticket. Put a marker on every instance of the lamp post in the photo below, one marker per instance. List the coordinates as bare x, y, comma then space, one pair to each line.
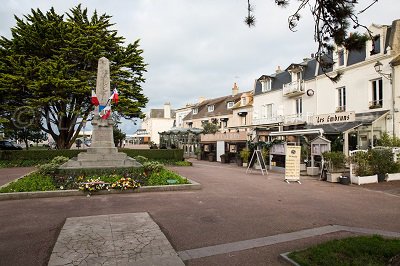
378, 68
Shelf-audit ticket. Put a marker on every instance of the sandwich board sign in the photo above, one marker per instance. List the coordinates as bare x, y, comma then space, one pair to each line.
257, 157
292, 164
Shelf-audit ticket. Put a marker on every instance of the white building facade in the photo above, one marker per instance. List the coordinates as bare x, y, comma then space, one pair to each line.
291, 99
158, 120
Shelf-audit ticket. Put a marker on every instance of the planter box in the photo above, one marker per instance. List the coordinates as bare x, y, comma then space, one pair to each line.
393, 177
244, 164
333, 177
303, 167
359, 180
312, 170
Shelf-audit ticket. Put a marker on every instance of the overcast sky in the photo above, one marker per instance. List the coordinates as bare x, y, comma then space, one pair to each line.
200, 48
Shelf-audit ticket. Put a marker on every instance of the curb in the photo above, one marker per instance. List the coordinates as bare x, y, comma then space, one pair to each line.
284, 257
67, 193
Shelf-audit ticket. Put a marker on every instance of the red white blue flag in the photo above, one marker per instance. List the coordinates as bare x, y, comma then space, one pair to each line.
95, 100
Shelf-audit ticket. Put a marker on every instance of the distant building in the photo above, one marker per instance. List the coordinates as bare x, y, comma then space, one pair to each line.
158, 120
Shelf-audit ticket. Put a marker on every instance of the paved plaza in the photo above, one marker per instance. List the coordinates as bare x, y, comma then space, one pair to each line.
232, 209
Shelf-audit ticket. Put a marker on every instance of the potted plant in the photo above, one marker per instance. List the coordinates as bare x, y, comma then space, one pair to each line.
224, 158
382, 163
364, 173
304, 155
245, 154
395, 174
211, 157
335, 162
197, 152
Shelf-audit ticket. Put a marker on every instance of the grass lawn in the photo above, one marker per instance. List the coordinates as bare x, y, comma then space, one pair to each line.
363, 250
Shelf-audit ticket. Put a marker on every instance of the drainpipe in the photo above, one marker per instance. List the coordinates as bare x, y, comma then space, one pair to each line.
392, 84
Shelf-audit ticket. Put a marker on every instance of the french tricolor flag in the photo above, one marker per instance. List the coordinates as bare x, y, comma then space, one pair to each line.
95, 100
105, 111
115, 96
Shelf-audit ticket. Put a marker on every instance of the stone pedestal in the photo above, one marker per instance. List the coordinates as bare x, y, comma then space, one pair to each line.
102, 153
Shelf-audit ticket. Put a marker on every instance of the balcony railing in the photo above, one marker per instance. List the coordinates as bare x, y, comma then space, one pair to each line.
375, 104
267, 120
298, 118
294, 88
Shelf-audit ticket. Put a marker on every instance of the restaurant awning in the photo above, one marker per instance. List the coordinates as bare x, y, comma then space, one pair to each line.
361, 119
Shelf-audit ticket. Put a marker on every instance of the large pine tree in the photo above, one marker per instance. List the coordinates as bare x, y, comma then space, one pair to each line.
49, 65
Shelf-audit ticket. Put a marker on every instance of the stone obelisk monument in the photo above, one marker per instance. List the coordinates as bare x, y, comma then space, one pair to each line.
102, 153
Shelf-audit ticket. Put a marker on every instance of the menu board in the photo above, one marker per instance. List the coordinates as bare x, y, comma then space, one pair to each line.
292, 163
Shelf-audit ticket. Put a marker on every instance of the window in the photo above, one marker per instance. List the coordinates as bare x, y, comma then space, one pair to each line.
377, 94
195, 111
210, 108
341, 57
230, 105
243, 100
299, 106
267, 111
265, 85
376, 45
298, 76
341, 99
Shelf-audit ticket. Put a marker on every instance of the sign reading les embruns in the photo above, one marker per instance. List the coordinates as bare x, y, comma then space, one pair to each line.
342, 117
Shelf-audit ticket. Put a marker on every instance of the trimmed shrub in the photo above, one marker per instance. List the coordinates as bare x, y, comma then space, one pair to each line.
176, 154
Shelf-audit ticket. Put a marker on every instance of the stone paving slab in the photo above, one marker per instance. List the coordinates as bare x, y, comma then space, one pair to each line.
116, 239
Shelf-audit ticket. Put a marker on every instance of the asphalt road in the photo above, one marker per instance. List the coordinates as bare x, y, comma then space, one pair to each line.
231, 206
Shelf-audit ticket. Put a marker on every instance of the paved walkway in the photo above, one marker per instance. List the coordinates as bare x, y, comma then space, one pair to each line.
9, 174
232, 208
119, 239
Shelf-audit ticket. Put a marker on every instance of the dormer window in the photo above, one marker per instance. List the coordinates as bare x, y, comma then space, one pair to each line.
298, 76
195, 111
244, 101
376, 45
265, 85
211, 108
230, 105
341, 57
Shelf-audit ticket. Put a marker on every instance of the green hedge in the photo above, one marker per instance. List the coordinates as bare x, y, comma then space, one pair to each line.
44, 155
167, 154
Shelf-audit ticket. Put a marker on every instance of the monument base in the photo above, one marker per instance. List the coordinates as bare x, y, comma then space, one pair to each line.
100, 159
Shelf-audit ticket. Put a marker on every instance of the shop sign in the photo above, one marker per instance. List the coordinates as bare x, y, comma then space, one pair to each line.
342, 117
228, 136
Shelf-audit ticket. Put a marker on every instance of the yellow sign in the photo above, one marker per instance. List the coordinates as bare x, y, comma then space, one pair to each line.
292, 163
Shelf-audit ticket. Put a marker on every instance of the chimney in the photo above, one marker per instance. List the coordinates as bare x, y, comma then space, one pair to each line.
278, 70
312, 55
202, 99
235, 89
167, 110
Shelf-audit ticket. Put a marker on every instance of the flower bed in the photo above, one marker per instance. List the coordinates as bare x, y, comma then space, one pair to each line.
50, 178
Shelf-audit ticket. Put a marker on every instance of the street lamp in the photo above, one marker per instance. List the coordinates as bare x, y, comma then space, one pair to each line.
378, 68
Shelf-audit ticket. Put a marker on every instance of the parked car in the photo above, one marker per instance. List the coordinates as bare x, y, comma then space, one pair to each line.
8, 145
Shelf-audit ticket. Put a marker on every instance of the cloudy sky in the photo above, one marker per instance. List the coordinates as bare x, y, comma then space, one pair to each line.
200, 48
